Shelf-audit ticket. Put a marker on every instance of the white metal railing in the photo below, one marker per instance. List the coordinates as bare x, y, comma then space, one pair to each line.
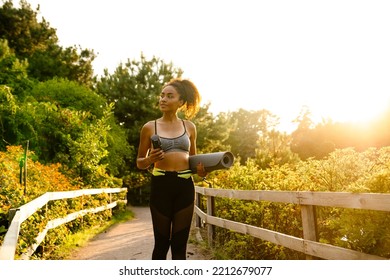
8, 248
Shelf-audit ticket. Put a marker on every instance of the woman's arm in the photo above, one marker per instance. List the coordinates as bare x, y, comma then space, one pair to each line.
193, 135
147, 156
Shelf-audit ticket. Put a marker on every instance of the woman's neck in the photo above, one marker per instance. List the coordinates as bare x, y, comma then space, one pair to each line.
169, 118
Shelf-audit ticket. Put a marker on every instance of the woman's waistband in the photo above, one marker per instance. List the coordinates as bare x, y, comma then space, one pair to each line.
185, 174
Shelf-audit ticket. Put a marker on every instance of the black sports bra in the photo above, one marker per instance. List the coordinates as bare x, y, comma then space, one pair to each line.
177, 144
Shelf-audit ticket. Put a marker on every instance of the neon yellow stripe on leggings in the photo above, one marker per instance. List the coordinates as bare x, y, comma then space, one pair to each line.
185, 174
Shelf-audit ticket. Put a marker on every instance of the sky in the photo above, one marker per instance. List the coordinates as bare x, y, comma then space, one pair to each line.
332, 57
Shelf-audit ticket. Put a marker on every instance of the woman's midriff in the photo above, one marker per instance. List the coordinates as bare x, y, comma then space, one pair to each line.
174, 161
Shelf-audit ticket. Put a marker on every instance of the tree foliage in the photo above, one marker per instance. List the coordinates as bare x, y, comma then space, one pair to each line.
13, 70
273, 148
246, 129
212, 132
310, 140
58, 114
37, 42
134, 88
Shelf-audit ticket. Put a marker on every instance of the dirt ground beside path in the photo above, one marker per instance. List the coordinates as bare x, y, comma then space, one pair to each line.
132, 240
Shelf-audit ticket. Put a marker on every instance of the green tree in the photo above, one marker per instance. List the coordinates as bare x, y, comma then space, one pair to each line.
75, 109
307, 142
274, 149
300, 143
16, 121
120, 153
134, 87
57, 116
25, 34
89, 149
37, 42
13, 71
319, 140
60, 108
212, 131
247, 128
69, 94
72, 63
8, 109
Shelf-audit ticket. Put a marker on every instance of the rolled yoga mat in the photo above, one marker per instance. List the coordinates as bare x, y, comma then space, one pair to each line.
212, 161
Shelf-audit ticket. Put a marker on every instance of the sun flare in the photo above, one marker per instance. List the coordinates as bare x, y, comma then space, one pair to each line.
354, 109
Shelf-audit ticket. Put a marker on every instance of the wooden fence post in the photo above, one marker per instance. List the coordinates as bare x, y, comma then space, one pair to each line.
198, 221
110, 203
309, 224
210, 227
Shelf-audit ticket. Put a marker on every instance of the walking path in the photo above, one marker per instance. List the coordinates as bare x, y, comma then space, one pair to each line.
132, 240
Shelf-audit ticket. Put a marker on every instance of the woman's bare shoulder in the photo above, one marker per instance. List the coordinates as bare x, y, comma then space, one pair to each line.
190, 126
148, 127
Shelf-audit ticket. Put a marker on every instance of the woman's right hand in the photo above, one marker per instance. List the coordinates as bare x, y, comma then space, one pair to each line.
156, 155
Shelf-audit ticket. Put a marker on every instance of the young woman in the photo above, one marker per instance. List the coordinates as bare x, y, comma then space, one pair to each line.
172, 190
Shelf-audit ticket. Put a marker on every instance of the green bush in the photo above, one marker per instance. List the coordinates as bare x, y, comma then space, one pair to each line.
342, 171
42, 179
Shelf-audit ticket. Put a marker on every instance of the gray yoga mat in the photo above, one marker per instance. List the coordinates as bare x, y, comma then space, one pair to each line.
212, 161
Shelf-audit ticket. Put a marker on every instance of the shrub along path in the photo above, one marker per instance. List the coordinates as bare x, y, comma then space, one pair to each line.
132, 240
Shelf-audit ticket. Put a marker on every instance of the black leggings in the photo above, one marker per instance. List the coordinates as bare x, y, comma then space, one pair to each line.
172, 207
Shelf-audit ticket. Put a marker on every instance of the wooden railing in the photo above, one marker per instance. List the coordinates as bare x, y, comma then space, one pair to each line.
307, 200
8, 248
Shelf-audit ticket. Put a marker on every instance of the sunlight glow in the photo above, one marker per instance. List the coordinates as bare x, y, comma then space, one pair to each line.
331, 56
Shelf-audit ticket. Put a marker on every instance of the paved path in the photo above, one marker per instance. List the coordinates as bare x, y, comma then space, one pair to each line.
132, 240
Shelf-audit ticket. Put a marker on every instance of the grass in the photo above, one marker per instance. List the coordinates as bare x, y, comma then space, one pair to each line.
198, 237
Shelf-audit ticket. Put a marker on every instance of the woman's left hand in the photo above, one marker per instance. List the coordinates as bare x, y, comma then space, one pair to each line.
200, 170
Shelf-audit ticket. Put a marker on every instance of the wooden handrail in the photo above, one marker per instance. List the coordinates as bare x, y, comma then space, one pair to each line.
369, 201
8, 248
308, 200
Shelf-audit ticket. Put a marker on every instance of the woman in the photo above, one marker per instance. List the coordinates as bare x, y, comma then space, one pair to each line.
172, 190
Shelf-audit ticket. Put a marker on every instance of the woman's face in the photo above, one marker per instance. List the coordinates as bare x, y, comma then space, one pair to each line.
170, 99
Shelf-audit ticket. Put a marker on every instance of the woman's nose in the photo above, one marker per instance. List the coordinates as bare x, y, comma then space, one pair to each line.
162, 98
